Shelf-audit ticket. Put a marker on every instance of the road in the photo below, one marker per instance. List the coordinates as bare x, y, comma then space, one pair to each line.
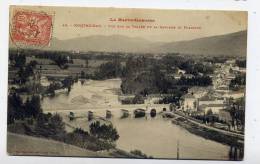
241, 136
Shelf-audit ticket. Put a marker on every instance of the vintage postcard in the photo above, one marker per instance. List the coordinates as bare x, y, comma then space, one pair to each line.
127, 83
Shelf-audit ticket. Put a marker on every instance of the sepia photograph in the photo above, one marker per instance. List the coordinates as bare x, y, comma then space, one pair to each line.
126, 83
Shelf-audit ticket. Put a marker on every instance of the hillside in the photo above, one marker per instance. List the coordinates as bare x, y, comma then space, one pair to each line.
19, 144
26, 145
233, 44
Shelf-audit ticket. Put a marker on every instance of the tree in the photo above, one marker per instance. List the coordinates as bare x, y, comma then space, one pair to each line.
82, 74
109, 70
139, 153
15, 108
67, 83
49, 125
19, 60
138, 99
237, 82
237, 112
56, 126
33, 107
106, 132
61, 60
241, 63
209, 112
22, 75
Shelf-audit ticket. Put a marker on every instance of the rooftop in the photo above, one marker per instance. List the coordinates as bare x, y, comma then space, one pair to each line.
207, 98
188, 96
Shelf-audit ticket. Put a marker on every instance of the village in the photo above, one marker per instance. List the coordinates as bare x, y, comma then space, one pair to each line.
211, 103
194, 94
216, 100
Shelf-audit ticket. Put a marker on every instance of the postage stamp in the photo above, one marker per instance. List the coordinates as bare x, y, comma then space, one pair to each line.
31, 28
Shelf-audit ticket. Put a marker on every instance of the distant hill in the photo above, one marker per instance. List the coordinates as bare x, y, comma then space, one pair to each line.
234, 44
112, 43
230, 44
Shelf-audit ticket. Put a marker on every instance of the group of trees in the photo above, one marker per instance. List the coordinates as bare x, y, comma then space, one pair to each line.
147, 76
18, 59
201, 68
24, 70
52, 87
111, 69
103, 131
32, 121
138, 99
195, 81
174, 97
61, 60
143, 76
241, 63
19, 110
237, 112
67, 83
49, 126
140, 154
35, 123
83, 139
191, 66
240, 80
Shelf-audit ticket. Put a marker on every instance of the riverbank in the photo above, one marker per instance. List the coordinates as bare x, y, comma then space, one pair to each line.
227, 138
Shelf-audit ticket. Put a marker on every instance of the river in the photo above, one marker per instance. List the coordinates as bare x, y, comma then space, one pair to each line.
156, 137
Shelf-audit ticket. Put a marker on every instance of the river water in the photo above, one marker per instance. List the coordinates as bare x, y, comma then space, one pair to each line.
156, 137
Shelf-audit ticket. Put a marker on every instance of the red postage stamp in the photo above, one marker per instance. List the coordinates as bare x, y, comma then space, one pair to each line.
31, 28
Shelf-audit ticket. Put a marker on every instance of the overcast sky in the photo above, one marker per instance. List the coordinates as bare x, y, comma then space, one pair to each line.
211, 22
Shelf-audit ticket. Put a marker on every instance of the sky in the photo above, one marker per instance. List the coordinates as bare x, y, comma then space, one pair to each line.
207, 23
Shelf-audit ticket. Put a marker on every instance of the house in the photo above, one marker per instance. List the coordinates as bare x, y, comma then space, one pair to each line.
231, 76
231, 61
222, 89
198, 92
125, 96
235, 69
209, 100
44, 81
189, 102
234, 94
39, 60
173, 76
181, 72
215, 108
189, 76
242, 70
224, 115
152, 100
56, 76
63, 90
